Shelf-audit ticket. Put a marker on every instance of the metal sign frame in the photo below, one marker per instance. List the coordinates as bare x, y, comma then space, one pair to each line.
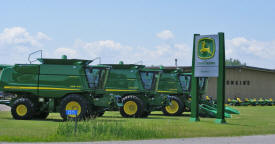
219, 72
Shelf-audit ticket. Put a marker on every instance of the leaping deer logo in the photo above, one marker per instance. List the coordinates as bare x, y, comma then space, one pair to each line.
204, 49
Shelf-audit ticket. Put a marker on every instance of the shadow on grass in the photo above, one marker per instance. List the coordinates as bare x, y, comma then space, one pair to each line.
239, 124
120, 117
184, 115
54, 120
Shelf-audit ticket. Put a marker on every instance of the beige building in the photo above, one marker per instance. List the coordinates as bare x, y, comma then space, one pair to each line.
243, 82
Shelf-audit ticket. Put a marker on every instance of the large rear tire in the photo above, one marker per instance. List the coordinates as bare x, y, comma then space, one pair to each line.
176, 108
74, 102
22, 109
132, 107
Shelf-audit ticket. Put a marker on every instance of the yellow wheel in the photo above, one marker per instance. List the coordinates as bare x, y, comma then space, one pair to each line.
74, 102
176, 107
73, 105
130, 108
173, 108
21, 110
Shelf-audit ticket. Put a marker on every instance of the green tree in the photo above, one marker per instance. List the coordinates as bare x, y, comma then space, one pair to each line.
234, 62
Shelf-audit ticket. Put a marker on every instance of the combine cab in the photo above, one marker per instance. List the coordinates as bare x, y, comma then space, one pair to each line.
57, 85
178, 85
137, 86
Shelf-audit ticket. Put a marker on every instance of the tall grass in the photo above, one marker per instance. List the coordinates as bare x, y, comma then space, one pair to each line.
109, 130
251, 121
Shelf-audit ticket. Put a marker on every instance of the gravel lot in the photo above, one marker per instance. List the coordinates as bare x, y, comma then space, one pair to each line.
4, 108
260, 139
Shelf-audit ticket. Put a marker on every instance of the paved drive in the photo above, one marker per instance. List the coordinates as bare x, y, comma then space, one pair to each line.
261, 139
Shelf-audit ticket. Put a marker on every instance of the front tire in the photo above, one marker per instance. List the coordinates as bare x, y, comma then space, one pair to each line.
132, 107
74, 102
22, 109
176, 108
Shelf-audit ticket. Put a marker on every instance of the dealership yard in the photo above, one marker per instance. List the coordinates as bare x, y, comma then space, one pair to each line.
257, 120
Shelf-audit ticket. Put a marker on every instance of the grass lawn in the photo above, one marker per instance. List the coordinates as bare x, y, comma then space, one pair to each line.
251, 121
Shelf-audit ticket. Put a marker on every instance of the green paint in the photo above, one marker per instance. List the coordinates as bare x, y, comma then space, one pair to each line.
221, 81
130, 79
54, 79
194, 90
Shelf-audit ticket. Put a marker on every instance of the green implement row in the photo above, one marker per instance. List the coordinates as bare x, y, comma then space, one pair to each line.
252, 102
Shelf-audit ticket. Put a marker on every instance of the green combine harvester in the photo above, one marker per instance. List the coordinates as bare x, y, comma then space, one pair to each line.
138, 88
178, 85
58, 85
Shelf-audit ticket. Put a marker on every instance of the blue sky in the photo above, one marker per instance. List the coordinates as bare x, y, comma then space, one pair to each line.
154, 31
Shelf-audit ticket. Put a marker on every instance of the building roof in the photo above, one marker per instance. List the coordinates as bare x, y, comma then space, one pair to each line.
188, 68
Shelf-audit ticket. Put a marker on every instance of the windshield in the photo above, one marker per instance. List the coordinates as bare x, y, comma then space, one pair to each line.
185, 82
148, 80
94, 76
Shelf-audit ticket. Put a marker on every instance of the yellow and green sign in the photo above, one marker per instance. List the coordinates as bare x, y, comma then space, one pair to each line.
208, 61
206, 48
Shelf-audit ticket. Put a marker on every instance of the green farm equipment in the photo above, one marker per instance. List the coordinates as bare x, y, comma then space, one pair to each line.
253, 102
178, 85
57, 85
265, 102
137, 87
233, 102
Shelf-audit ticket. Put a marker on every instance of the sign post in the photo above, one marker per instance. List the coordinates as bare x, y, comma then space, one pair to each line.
208, 61
73, 113
194, 89
221, 81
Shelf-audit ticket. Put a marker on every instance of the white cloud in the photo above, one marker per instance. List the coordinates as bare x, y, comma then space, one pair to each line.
165, 35
16, 43
42, 36
112, 52
20, 36
71, 53
253, 52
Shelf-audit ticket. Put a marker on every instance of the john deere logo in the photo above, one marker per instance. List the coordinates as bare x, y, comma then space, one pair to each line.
206, 48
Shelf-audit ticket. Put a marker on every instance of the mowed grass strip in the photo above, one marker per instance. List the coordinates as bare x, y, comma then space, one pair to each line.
251, 121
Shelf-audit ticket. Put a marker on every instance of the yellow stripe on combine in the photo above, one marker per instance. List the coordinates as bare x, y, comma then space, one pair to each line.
118, 90
41, 88
167, 91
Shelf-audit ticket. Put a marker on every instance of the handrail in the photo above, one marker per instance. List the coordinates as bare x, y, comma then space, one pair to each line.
34, 53
99, 59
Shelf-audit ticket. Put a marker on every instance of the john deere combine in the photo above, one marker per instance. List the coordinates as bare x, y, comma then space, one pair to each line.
178, 84
137, 86
57, 85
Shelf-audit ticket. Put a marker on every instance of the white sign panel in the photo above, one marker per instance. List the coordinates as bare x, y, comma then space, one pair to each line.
207, 56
